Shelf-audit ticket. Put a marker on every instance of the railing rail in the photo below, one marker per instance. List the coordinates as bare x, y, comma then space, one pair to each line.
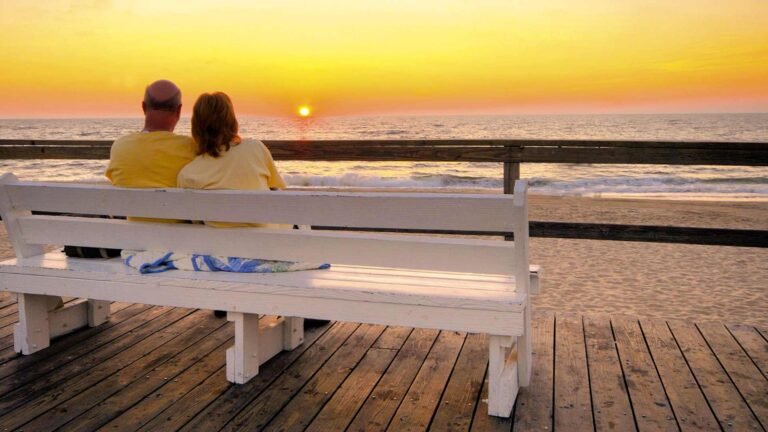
509, 152
479, 150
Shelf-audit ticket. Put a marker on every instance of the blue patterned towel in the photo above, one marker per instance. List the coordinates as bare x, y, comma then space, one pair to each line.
156, 262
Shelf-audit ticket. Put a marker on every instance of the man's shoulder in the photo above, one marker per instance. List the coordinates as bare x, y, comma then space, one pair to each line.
154, 138
131, 137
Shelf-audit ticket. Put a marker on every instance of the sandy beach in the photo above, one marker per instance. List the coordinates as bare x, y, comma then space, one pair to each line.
690, 282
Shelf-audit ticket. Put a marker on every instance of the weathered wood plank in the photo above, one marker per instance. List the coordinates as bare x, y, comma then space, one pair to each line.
310, 399
572, 404
201, 385
213, 395
13, 363
308, 394
415, 411
748, 379
241, 408
534, 407
173, 391
54, 152
6, 331
393, 338
649, 401
376, 413
610, 400
651, 233
753, 344
9, 319
9, 310
454, 413
77, 358
7, 299
160, 344
477, 142
729, 407
47, 142
6, 340
688, 402
629, 155
113, 396
550, 151
616, 232
342, 407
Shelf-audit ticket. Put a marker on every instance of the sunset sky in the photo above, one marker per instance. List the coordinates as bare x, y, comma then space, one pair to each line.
93, 58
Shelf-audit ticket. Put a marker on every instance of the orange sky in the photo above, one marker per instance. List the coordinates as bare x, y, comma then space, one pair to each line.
93, 58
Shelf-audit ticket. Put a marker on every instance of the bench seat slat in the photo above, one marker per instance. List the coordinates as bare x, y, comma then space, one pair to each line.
312, 283
463, 212
85, 278
443, 318
368, 272
364, 249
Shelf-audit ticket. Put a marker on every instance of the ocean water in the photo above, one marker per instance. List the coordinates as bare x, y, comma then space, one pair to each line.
697, 182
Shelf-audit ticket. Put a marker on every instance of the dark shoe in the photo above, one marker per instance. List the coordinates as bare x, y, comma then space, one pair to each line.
312, 323
219, 313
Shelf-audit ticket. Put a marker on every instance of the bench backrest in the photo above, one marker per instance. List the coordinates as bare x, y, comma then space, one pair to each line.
416, 211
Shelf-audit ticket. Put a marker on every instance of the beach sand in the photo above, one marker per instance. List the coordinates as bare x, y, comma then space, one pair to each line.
690, 282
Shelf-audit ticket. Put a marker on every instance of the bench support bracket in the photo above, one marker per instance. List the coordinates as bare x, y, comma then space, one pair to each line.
258, 339
44, 317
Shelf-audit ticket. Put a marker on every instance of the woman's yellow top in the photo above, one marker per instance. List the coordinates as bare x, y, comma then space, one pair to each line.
246, 166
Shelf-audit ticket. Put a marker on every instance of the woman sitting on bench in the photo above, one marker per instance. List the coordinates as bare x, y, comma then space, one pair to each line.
224, 160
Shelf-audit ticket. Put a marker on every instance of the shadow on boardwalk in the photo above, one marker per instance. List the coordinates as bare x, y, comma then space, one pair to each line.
156, 368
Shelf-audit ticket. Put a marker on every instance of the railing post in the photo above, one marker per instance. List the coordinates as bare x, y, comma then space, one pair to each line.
511, 174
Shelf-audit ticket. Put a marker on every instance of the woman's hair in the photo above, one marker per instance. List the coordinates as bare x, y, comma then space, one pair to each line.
214, 125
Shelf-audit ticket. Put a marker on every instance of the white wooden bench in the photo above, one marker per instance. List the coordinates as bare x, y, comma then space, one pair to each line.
459, 284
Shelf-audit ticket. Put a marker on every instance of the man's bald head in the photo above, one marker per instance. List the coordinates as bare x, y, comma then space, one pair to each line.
162, 95
162, 106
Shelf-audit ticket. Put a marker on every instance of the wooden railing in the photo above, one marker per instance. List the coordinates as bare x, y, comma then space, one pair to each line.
508, 152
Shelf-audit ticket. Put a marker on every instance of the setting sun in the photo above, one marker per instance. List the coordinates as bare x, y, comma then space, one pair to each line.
304, 111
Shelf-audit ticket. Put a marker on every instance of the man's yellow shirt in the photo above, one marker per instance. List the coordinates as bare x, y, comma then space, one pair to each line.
149, 160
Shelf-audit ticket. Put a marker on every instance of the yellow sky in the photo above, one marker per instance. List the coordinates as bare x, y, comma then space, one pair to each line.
93, 58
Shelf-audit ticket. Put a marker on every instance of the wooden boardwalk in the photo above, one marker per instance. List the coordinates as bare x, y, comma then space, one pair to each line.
157, 369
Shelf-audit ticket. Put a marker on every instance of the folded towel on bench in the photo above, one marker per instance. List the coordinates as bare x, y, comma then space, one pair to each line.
156, 262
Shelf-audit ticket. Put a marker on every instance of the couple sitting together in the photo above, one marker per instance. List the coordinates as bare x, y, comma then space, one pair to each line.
215, 157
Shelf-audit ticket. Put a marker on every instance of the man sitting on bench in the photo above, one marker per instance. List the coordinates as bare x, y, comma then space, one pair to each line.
153, 157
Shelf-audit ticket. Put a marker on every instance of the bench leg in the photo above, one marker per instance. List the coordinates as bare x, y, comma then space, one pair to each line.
502, 376
535, 284
293, 333
525, 350
33, 333
258, 339
243, 357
